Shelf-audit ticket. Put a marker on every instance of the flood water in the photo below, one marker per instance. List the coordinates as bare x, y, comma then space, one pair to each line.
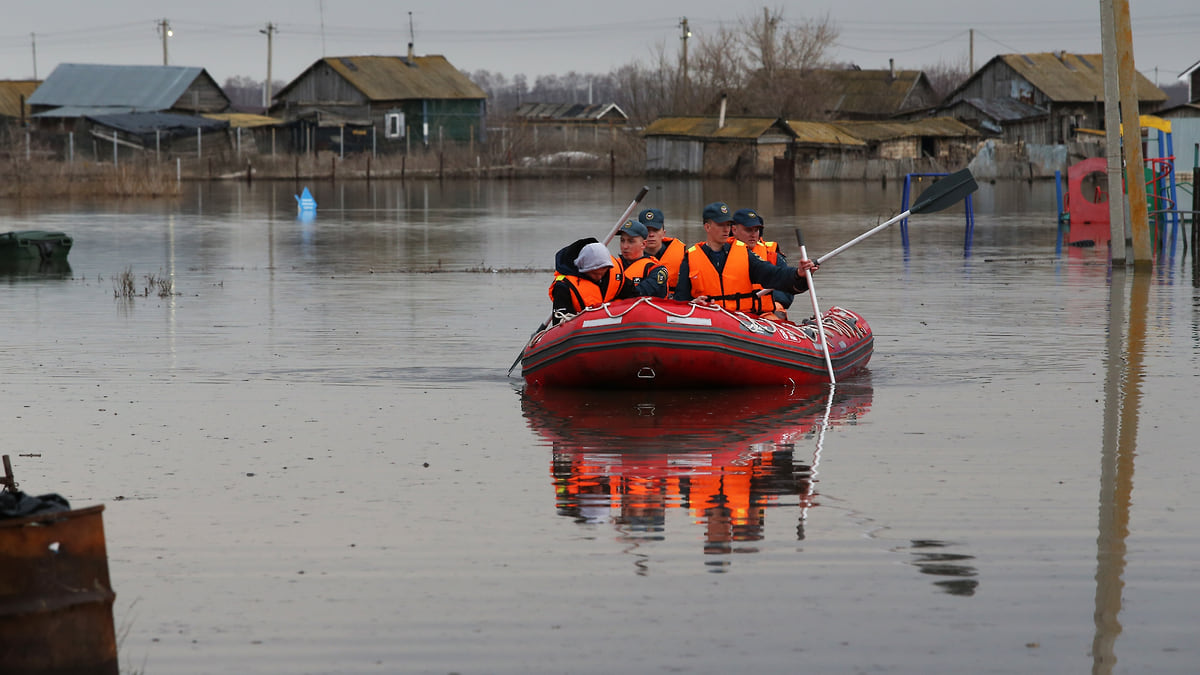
312, 459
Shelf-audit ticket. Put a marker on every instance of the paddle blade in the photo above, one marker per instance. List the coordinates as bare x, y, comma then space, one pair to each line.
945, 193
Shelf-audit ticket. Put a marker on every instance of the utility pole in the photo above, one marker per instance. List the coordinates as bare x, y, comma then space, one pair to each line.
684, 35
1132, 132
268, 31
971, 53
164, 27
33, 42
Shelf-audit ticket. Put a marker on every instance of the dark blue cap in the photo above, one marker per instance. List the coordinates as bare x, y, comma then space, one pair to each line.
718, 212
747, 218
634, 229
652, 218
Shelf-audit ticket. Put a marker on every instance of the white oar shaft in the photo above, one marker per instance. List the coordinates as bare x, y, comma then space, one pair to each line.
625, 216
812, 293
862, 236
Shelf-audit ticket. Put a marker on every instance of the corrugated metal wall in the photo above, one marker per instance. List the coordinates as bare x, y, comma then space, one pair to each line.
674, 155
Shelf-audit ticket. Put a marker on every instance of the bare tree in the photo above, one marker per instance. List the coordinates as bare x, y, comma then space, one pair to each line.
782, 60
946, 76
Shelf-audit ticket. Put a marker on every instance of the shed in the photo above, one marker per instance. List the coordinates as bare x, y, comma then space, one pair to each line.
568, 121
1068, 88
712, 146
152, 132
421, 100
937, 137
14, 99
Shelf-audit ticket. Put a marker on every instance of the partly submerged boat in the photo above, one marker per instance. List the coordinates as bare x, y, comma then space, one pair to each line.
34, 245
657, 343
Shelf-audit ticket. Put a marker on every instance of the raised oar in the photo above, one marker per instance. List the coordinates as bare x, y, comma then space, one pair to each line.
812, 293
612, 233
941, 195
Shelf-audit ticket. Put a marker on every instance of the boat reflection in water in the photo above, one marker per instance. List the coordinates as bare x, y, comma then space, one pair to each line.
723, 456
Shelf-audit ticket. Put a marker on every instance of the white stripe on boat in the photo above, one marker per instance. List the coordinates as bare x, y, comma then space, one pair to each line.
689, 320
588, 323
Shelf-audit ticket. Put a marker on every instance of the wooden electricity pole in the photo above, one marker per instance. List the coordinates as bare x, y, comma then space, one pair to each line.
1132, 133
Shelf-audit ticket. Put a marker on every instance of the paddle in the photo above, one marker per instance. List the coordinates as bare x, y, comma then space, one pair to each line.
941, 195
612, 233
812, 293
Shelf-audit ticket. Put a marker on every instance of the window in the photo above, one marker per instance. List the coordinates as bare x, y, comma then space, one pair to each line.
393, 125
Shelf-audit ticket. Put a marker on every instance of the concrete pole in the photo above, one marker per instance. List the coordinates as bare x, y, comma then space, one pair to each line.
1112, 136
1134, 176
165, 27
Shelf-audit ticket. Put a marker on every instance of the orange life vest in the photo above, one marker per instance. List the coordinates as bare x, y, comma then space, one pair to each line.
731, 288
767, 250
587, 293
637, 270
671, 256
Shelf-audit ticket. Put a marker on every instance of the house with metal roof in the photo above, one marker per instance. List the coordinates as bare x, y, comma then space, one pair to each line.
398, 103
858, 94
717, 145
79, 89
1060, 92
102, 111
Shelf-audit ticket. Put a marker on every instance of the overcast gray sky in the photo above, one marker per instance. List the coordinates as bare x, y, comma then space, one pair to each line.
539, 38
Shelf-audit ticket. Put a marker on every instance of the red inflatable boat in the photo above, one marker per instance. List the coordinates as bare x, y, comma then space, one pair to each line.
656, 343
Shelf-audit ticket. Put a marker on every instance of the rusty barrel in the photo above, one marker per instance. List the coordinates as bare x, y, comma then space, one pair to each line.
55, 595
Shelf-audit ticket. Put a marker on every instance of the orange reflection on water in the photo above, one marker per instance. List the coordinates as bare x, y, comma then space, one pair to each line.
627, 458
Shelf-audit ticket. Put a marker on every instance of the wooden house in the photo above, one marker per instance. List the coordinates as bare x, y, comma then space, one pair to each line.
75, 90
79, 107
716, 146
857, 94
1060, 92
1192, 77
389, 103
571, 123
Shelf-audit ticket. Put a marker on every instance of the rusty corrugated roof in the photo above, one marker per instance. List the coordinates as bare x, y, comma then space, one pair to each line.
874, 92
736, 128
947, 127
1062, 76
394, 78
822, 133
11, 92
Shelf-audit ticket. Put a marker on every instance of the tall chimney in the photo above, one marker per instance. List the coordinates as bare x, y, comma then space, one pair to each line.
721, 117
892, 68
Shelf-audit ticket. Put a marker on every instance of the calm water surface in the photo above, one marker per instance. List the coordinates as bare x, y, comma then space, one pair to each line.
312, 460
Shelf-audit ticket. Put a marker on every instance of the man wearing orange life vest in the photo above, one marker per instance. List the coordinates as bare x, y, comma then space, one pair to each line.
748, 228
723, 271
585, 275
644, 274
668, 250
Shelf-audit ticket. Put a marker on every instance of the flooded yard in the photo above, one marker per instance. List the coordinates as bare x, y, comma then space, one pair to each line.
312, 460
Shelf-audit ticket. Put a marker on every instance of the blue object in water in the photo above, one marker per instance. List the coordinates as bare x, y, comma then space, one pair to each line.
306, 202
